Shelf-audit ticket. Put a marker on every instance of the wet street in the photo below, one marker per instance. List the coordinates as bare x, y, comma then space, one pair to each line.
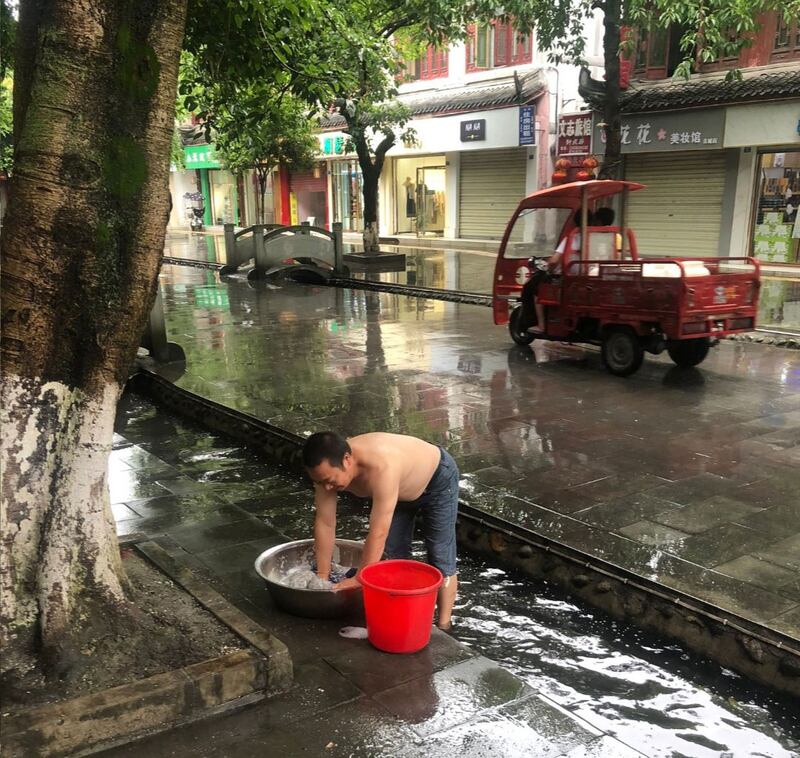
685, 477
592, 686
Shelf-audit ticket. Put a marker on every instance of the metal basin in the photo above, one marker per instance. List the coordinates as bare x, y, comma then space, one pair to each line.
276, 561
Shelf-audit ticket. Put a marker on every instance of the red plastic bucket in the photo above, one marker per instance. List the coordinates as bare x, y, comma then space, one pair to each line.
399, 598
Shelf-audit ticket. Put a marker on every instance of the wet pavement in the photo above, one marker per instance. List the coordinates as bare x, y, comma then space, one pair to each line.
685, 477
566, 681
472, 271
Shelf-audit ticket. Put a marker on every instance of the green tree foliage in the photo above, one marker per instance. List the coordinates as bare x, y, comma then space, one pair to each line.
391, 32
711, 29
7, 34
6, 125
262, 130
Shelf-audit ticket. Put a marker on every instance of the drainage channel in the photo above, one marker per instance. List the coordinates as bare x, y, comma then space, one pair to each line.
655, 697
761, 654
789, 340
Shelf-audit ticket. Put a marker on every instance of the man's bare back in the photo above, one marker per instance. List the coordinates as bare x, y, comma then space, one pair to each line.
409, 461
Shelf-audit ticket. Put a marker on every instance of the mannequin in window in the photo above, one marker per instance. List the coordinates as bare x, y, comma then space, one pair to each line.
411, 203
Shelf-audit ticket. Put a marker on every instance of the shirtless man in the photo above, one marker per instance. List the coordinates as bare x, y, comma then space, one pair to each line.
402, 476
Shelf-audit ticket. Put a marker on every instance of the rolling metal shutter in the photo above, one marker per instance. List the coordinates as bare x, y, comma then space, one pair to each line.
680, 212
491, 184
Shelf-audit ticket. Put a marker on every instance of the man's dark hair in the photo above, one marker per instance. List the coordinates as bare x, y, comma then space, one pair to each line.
325, 446
576, 219
604, 217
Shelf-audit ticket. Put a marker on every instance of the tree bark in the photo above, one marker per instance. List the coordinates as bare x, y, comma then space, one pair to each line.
612, 160
370, 194
371, 173
81, 247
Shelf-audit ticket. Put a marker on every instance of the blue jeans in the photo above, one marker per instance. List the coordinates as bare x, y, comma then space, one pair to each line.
438, 505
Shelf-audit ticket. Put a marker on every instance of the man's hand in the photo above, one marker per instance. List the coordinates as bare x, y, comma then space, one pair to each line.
346, 584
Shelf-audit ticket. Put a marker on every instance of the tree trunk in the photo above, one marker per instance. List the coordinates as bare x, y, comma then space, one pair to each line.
370, 193
612, 160
94, 98
262, 192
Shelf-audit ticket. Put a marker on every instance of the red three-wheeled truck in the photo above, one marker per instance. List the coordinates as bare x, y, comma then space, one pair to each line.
607, 294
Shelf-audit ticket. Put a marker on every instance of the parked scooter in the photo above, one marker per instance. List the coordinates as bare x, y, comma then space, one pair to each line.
195, 210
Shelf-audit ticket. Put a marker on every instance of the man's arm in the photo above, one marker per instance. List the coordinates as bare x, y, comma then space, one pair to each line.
384, 501
324, 529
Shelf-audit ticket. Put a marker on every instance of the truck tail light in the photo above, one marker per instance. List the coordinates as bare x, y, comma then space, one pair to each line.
690, 297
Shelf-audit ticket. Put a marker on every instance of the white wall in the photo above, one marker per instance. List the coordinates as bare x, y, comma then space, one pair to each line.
762, 124
743, 203
179, 183
452, 176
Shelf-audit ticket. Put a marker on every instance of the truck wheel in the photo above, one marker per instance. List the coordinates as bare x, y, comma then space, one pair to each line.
519, 335
622, 351
686, 353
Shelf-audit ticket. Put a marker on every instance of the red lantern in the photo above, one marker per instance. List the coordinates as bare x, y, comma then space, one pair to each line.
559, 176
583, 176
562, 164
590, 163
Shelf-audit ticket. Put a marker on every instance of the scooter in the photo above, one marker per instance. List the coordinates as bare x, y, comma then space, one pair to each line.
196, 220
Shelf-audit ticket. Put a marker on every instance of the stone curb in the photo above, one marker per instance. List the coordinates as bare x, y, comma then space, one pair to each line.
116, 716
86, 724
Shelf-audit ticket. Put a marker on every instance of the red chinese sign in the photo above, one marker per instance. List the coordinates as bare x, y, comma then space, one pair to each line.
575, 134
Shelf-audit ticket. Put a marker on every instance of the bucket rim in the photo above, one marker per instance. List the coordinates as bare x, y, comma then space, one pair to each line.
396, 561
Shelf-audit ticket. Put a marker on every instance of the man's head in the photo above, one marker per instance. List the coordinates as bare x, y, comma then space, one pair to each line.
604, 217
329, 460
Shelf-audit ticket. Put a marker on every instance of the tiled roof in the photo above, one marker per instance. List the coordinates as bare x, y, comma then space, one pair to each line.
477, 96
710, 92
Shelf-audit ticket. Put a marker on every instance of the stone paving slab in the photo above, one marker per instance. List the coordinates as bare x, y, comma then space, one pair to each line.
686, 471
347, 699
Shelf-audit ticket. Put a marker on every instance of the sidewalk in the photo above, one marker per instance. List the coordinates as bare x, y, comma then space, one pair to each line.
217, 508
685, 478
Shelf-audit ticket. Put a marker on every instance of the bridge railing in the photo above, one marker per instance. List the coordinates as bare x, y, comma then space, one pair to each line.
273, 246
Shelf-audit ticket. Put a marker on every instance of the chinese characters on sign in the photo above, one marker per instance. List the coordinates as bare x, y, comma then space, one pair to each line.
575, 134
527, 129
664, 132
474, 130
200, 156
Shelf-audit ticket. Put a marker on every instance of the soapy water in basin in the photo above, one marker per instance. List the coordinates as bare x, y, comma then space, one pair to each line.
299, 571
306, 578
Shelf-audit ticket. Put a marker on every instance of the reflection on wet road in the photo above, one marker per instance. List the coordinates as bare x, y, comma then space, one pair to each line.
688, 477
659, 699
472, 271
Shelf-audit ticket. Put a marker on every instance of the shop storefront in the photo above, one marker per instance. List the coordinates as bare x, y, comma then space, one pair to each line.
420, 195
347, 199
679, 157
491, 184
776, 222
217, 185
308, 196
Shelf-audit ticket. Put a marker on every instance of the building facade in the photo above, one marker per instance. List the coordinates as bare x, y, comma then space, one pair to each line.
483, 114
720, 157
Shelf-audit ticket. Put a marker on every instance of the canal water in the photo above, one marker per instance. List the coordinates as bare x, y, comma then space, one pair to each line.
654, 696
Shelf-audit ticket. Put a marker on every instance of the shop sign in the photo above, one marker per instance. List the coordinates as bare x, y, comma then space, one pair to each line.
668, 132
333, 145
474, 130
527, 125
200, 156
575, 134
